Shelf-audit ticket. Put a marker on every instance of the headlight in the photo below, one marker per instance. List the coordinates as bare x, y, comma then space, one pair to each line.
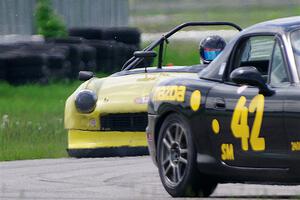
85, 101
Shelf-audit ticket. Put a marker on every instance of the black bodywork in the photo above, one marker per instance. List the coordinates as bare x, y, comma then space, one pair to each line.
220, 152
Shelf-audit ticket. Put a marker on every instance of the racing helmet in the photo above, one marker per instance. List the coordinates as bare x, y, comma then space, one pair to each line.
210, 47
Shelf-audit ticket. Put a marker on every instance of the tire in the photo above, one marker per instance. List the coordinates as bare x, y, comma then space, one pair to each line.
68, 40
74, 57
24, 67
105, 51
87, 33
127, 35
4, 64
55, 61
9, 47
2, 69
88, 57
176, 158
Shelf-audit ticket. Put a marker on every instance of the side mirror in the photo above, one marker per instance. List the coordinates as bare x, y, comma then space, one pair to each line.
251, 76
85, 75
145, 54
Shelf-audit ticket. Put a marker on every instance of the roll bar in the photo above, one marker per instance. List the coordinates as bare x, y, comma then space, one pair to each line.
133, 61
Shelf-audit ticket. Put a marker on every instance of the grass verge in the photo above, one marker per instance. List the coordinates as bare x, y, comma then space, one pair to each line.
31, 120
162, 21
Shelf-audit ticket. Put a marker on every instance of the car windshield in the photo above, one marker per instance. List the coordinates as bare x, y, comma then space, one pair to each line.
295, 39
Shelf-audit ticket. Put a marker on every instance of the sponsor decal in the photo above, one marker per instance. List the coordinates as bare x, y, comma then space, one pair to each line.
240, 127
227, 152
169, 93
93, 122
195, 100
295, 146
215, 126
141, 100
222, 68
241, 89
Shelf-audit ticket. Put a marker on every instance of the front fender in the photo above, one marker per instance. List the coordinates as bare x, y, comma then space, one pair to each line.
192, 107
81, 121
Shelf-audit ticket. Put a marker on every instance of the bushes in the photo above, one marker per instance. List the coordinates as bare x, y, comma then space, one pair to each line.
48, 23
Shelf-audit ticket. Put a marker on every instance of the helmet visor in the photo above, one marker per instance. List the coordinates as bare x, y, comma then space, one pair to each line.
211, 54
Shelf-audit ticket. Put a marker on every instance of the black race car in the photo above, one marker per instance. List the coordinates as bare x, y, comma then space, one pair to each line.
239, 121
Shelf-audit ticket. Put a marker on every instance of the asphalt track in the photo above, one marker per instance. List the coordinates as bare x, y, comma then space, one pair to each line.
108, 178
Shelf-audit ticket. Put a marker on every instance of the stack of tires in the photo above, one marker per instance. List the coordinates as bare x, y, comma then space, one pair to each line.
56, 65
82, 56
89, 49
114, 45
41, 62
3, 61
18, 67
24, 67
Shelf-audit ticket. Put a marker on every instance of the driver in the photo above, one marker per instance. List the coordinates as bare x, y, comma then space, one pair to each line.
210, 47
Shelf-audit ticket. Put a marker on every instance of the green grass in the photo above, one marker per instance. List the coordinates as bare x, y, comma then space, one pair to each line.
32, 120
243, 16
180, 53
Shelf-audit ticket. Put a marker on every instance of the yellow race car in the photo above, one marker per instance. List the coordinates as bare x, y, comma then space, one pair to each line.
108, 116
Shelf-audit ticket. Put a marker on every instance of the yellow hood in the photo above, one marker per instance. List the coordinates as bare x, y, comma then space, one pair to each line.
116, 94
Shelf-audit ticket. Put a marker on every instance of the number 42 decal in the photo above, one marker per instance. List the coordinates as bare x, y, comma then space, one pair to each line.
239, 123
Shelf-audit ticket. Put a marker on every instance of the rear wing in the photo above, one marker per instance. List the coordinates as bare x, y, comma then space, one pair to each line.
134, 61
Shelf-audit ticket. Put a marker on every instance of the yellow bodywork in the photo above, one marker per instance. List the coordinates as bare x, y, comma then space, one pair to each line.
119, 94
79, 139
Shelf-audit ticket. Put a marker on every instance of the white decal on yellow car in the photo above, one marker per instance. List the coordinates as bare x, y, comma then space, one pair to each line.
141, 100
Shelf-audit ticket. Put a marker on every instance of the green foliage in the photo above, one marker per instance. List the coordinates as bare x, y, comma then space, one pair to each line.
48, 23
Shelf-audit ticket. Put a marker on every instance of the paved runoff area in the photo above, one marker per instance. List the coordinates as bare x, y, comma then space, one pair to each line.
108, 178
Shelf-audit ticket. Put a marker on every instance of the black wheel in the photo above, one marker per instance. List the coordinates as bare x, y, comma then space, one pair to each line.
176, 157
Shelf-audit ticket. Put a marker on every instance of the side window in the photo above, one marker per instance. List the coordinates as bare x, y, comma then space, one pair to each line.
254, 51
278, 68
259, 48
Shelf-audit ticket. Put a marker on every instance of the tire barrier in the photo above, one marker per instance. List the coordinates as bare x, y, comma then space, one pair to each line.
127, 35
87, 33
24, 67
111, 55
97, 49
88, 57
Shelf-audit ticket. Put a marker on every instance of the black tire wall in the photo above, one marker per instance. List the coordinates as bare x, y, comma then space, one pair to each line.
89, 49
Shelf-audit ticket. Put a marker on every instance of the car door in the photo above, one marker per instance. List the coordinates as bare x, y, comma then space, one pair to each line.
292, 110
250, 125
